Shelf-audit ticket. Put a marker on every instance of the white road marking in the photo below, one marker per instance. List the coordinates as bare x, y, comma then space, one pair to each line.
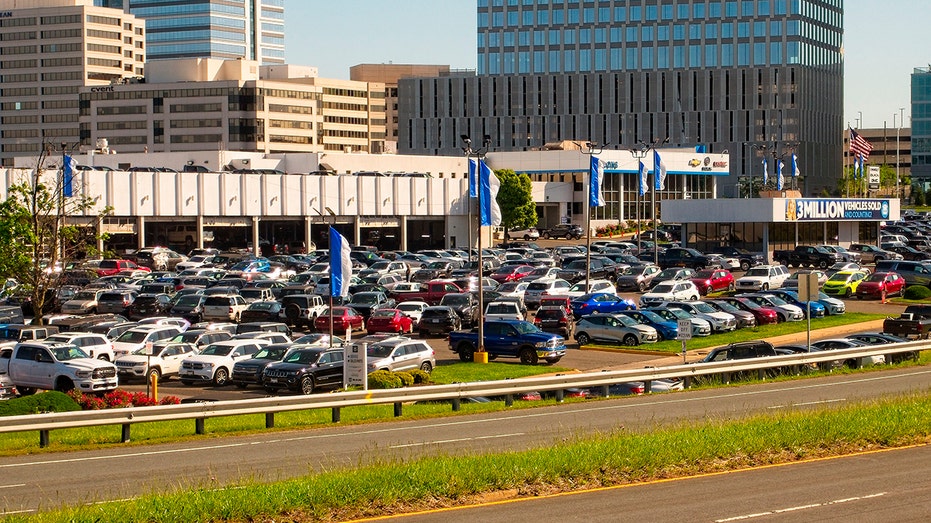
583, 408
439, 442
806, 403
13, 486
800, 507
10, 512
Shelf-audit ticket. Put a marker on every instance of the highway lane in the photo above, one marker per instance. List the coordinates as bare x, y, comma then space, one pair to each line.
891, 485
48, 480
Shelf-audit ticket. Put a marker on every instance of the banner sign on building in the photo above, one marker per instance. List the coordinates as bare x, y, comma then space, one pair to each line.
826, 209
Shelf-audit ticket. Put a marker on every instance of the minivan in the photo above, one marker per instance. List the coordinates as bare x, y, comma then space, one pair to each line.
914, 272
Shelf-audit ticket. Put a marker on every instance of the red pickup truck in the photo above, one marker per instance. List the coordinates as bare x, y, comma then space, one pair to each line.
430, 292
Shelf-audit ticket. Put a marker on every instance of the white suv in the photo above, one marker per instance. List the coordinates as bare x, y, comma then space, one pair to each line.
225, 307
165, 360
215, 363
670, 290
763, 277
544, 287
95, 345
137, 337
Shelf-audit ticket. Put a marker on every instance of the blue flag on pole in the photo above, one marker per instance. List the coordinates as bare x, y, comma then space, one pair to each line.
595, 195
765, 171
642, 186
659, 172
794, 167
340, 264
489, 211
779, 174
473, 181
67, 176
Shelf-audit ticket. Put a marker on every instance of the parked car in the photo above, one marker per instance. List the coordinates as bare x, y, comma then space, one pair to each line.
881, 285
215, 362
637, 278
306, 370
872, 254
389, 320
224, 307
763, 277
563, 230
365, 303
149, 305
614, 329
744, 318
95, 345
670, 291
82, 302
913, 272
602, 302
843, 283
714, 280
720, 321
414, 309
162, 363
261, 311
301, 309
527, 234
556, 319
189, 307
399, 354
339, 320
249, 371
537, 289
135, 338
438, 319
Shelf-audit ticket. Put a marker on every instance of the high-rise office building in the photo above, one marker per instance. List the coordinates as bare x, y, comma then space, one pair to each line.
251, 29
752, 78
921, 125
49, 50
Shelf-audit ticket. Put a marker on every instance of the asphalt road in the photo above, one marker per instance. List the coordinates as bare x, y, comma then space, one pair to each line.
43, 481
877, 487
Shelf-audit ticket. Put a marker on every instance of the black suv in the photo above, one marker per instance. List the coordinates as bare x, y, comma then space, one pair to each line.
306, 371
563, 230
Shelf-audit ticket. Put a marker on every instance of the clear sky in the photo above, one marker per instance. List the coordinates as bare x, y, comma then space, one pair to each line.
882, 43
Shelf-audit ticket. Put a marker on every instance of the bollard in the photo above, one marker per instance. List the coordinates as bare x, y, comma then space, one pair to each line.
560, 395
124, 436
397, 410
154, 379
648, 387
336, 415
508, 400
199, 426
456, 404
43, 438
269, 420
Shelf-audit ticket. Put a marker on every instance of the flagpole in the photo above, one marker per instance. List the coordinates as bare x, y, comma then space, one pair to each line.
479, 155
639, 154
592, 146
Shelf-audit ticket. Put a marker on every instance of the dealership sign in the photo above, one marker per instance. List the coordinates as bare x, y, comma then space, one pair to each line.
823, 209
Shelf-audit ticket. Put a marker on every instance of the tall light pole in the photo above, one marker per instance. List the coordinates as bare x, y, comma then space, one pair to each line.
763, 147
898, 129
591, 149
639, 153
479, 155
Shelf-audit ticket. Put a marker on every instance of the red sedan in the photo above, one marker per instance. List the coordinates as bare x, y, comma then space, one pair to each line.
511, 273
343, 318
763, 315
880, 284
713, 280
389, 320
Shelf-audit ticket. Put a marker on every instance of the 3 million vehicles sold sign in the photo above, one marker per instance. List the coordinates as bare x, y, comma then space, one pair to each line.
825, 209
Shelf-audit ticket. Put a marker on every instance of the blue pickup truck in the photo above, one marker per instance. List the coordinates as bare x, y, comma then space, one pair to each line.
510, 339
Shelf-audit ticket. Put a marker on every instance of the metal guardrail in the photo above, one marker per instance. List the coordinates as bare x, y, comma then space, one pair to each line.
126, 417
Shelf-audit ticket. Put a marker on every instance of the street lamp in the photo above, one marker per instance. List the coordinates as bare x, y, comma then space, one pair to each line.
644, 150
479, 155
592, 150
898, 129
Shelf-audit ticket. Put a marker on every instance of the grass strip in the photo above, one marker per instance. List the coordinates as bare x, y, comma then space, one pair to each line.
755, 333
581, 462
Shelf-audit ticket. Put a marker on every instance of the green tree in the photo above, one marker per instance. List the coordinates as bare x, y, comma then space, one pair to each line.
918, 196
36, 238
515, 197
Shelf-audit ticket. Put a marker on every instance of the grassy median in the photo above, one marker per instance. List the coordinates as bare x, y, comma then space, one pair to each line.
581, 462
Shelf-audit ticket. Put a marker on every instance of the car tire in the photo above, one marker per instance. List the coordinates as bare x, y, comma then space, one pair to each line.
26, 391
307, 385
630, 341
528, 356
745, 266
527, 237
642, 287
426, 367
764, 287
293, 313
154, 372
64, 384
466, 352
546, 236
822, 265
583, 338
221, 377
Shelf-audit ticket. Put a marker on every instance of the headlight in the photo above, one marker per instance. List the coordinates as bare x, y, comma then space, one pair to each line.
208, 365
84, 374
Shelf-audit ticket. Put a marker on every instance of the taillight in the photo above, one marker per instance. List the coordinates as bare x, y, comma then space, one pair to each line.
537, 320
230, 310
563, 320
636, 389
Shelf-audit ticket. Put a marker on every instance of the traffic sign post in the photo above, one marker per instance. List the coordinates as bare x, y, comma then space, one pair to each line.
684, 327
355, 365
808, 290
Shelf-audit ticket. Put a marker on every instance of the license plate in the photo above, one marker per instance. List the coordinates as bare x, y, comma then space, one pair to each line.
273, 380
435, 320
188, 374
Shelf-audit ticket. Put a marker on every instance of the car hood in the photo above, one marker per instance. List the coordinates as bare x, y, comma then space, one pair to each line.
208, 358
87, 363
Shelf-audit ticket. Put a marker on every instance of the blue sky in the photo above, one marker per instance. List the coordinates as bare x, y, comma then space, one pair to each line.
882, 43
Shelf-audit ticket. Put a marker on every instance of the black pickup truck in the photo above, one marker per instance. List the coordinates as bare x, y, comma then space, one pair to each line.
915, 322
683, 257
805, 255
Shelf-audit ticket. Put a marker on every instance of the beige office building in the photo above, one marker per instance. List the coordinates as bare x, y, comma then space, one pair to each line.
206, 103
49, 49
389, 74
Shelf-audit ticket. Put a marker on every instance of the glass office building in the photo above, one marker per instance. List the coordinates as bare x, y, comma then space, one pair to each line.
921, 125
251, 29
748, 77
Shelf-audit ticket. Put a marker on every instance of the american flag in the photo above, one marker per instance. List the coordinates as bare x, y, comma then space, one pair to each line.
859, 146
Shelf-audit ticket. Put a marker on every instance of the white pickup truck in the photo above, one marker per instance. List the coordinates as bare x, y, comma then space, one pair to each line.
58, 366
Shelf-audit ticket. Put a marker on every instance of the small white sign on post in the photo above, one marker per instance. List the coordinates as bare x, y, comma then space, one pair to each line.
355, 363
148, 348
873, 177
684, 328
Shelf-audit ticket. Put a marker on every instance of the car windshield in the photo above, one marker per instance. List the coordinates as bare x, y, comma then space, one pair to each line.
653, 317
216, 350
758, 271
270, 353
131, 336
703, 307
303, 356
190, 300
524, 327
384, 313
68, 352
410, 307
679, 313
704, 274
726, 307
776, 300
436, 313
663, 288
551, 314
877, 276
85, 295
840, 277
627, 321
262, 305
510, 287
577, 265
501, 308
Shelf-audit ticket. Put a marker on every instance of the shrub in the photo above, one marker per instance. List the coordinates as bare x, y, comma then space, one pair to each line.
119, 398
39, 403
917, 292
420, 376
406, 378
383, 379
